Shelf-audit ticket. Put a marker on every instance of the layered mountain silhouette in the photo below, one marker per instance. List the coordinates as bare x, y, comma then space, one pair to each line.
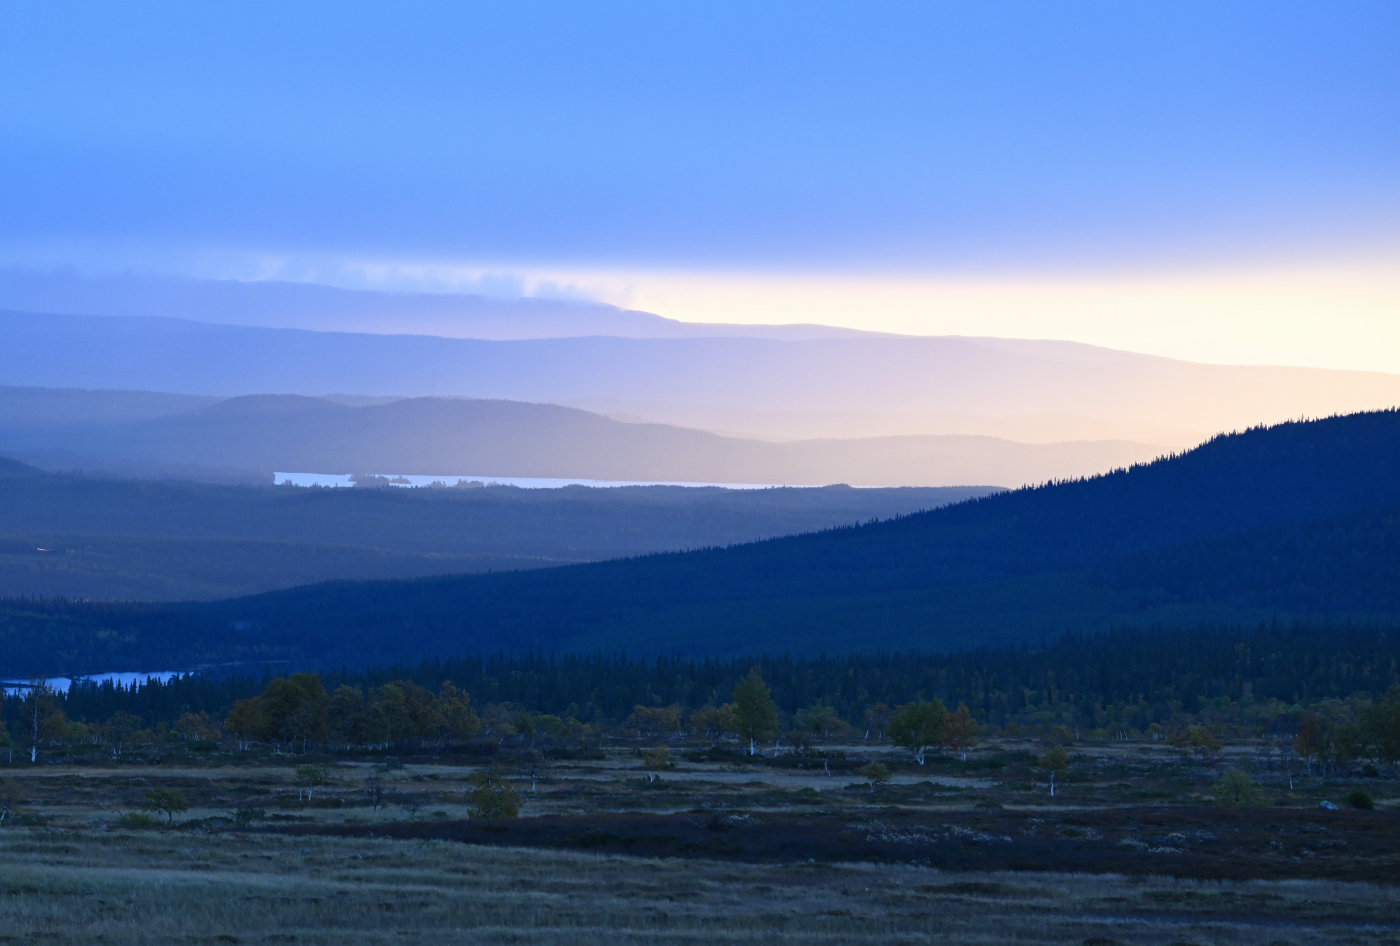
1300, 521
883, 376
30, 411
445, 436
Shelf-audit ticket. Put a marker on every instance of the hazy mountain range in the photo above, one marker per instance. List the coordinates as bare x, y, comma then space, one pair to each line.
247, 438
856, 407
885, 376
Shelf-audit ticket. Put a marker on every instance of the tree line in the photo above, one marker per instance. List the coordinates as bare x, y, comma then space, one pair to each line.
297, 713
1130, 678
1270, 679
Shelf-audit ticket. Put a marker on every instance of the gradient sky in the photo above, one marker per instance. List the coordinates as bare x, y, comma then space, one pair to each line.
1026, 168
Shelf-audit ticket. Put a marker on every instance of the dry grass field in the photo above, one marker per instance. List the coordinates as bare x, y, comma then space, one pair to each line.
716, 849
161, 887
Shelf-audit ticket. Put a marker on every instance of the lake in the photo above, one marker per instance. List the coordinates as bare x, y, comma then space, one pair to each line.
522, 482
61, 684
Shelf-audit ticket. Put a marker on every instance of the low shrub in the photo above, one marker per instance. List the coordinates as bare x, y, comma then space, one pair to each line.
137, 819
1360, 800
245, 815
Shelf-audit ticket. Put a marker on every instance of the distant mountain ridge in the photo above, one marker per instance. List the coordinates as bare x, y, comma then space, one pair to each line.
854, 374
300, 305
508, 438
1300, 521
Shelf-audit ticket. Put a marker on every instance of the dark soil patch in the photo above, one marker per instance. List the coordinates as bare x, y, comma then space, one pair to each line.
1208, 843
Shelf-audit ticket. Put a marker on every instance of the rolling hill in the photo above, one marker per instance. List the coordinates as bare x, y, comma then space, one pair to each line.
1300, 520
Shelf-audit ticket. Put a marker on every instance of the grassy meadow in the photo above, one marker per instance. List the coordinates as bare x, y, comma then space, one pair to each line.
701, 844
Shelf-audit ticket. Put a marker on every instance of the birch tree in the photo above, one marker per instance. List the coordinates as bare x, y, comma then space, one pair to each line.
244, 720
919, 727
755, 714
655, 760
309, 778
1055, 762
120, 730
43, 721
166, 801
962, 731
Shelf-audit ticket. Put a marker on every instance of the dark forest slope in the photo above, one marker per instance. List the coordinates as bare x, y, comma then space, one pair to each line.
1298, 519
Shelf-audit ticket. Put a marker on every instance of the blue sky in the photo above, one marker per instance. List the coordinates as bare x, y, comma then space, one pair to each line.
864, 139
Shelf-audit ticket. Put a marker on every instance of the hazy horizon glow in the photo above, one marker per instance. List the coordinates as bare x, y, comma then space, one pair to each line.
1338, 316
1344, 316
1326, 317
1212, 182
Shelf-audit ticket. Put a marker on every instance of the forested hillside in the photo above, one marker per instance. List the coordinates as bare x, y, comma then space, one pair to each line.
1296, 520
87, 537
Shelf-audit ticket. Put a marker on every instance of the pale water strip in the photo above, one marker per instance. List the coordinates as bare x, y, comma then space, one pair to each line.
523, 482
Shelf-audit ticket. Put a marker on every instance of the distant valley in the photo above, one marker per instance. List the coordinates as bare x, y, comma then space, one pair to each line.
80, 536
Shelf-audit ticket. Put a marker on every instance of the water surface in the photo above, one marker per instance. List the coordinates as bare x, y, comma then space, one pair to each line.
122, 678
523, 482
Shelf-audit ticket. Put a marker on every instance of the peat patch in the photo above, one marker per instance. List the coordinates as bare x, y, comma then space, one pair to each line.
1203, 843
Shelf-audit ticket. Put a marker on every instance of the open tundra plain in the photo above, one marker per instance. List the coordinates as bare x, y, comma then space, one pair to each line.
702, 843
